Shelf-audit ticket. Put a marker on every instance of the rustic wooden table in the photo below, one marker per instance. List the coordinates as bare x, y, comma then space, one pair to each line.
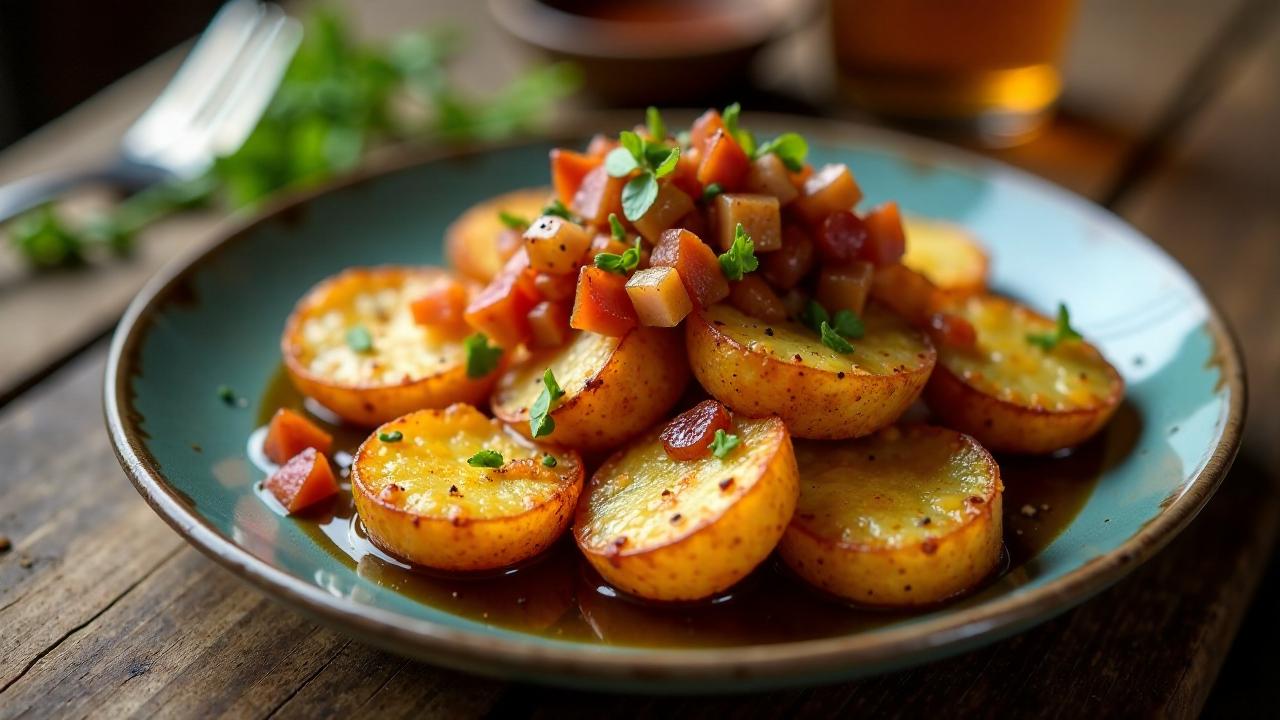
1171, 121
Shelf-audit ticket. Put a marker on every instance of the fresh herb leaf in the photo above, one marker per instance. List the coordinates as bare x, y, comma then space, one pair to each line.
740, 258
814, 315
558, 209
486, 459
730, 117
540, 422
668, 164
515, 222
227, 395
710, 192
391, 437
653, 119
620, 162
482, 358
359, 339
615, 228
633, 144
833, 339
724, 443
548, 461
1062, 333
638, 196
791, 149
745, 139
620, 263
848, 324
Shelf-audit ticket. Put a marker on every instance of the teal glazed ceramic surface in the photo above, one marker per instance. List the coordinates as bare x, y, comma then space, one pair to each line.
215, 320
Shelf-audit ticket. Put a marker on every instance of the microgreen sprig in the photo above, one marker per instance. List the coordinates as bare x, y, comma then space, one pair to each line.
540, 422
724, 443
654, 160
513, 221
1062, 333
620, 263
486, 459
482, 357
740, 258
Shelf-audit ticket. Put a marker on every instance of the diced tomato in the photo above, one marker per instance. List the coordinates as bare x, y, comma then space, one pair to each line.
841, 237
753, 296
905, 291
707, 125
688, 436
826, 191
500, 310
952, 330
597, 196
549, 324
886, 240
601, 145
303, 481
785, 268
602, 304
568, 168
723, 162
556, 287
697, 264
290, 433
443, 306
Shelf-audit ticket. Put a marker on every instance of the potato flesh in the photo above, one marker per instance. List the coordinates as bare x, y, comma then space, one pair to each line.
573, 366
402, 350
891, 490
429, 464
889, 343
630, 503
944, 253
1005, 366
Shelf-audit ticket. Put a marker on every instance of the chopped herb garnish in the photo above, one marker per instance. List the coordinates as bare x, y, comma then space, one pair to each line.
710, 192
558, 209
745, 139
833, 339
653, 119
723, 444
654, 160
482, 357
740, 258
790, 148
515, 222
486, 459
615, 228
620, 264
1062, 333
548, 461
814, 315
540, 422
359, 339
391, 437
848, 324
227, 395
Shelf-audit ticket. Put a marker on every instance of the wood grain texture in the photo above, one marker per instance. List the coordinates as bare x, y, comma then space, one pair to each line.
117, 616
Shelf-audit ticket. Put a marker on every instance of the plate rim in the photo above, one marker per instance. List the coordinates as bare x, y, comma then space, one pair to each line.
845, 655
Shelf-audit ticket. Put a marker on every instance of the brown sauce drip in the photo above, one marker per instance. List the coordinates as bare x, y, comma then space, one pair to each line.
559, 595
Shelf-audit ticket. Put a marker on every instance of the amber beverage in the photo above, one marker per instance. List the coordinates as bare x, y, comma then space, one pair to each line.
988, 67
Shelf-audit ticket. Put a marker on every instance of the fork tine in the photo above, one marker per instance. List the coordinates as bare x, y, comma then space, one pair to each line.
198, 76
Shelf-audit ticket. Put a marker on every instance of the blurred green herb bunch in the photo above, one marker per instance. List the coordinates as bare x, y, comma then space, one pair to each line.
338, 99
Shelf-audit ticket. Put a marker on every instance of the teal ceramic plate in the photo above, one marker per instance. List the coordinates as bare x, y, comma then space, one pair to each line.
215, 319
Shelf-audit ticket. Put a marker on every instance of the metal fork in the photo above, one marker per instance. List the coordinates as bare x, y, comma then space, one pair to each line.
206, 111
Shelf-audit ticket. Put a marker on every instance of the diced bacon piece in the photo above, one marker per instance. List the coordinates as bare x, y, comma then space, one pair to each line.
555, 245
785, 268
597, 196
906, 292
685, 176
696, 263
303, 481
500, 310
841, 237
723, 162
659, 296
549, 324
602, 304
845, 287
671, 204
704, 128
886, 240
769, 176
688, 436
753, 296
828, 190
760, 216
289, 433
568, 168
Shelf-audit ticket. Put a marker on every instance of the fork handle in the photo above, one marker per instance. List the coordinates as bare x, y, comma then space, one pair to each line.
22, 195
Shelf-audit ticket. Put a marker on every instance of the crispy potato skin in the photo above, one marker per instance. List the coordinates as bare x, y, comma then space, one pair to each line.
921, 571
471, 241
369, 403
712, 549
1019, 425
445, 540
639, 381
814, 402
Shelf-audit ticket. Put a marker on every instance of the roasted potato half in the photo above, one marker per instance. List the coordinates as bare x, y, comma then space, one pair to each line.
908, 516
422, 501
615, 388
353, 345
947, 254
759, 368
664, 529
1015, 396
472, 241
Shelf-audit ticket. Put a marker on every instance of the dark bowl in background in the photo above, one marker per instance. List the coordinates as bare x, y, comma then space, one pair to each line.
645, 52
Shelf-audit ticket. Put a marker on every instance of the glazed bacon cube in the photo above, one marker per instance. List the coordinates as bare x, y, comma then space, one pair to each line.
688, 436
302, 482
828, 190
723, 162
696, 263
568, 168
886, 241
500, 310
598, 195
602, 304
